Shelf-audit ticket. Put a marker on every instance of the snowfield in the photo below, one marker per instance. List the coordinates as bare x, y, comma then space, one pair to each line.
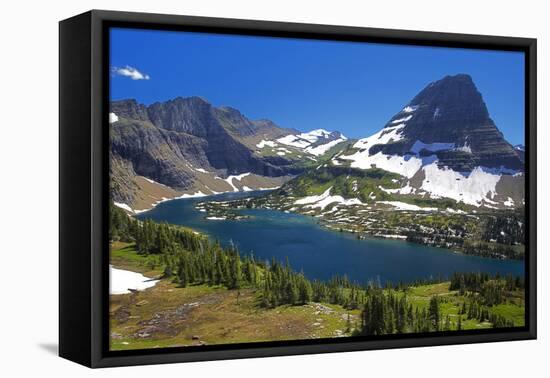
509, 202
384, 136
193, 195
230, 179
313, 199
267, 143
310, 142
325, 199
433, 147
323, 148
407, 206
123, 206
120, 281
113, 118
306, 140
409, 109
471, 189
405, 119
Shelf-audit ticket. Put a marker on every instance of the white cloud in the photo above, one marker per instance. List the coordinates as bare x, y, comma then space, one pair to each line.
130, 72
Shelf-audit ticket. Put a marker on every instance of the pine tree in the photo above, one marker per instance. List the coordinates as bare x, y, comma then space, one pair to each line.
304, 290
183, 277
291, 292
434, 312
447, 323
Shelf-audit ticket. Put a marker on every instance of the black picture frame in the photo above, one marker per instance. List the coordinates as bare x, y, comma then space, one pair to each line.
84, 196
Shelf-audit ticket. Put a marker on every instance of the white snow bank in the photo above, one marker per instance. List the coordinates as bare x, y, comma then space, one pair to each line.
230, 179
465, 148
404, 119
325, 199
264, 143
193, 195
470, 189
386, 135
433, 147
509, 202
313, 199
123, 206
305, 140
294, 141
120, 281
409, 109
404, 165
407, 206
113, 118
216, 218
453, 211
335, 199
323, 148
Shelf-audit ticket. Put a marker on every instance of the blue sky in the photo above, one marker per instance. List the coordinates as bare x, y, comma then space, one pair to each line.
351, 87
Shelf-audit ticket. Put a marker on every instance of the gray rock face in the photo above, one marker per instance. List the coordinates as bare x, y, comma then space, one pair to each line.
130, 109
452, 111
191, 115
169, 141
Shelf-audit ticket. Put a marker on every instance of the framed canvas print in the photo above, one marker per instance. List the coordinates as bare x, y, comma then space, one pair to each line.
233, 188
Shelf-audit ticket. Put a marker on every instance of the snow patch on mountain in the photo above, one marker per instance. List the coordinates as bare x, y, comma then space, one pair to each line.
323, 200
113, 118
123, 206
406, 165
433, 147
311, 141
405, 119
509, 202
471, 188
407, 206
230, 179
409, 109
323, 148
384, 136
264, 143
466, 148
313, 199
192, 195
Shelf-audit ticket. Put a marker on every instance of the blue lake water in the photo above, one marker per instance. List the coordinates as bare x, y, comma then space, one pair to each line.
321, 253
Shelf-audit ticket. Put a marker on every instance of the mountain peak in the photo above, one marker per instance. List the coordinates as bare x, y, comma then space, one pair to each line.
453, 98
458, 77
448, 118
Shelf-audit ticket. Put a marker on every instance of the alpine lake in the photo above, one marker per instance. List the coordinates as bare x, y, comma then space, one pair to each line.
321, 253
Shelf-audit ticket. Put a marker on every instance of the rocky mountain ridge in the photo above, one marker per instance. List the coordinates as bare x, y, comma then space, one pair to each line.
187, 146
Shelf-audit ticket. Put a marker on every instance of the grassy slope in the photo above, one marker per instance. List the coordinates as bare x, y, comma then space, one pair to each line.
212, 313
173, 316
